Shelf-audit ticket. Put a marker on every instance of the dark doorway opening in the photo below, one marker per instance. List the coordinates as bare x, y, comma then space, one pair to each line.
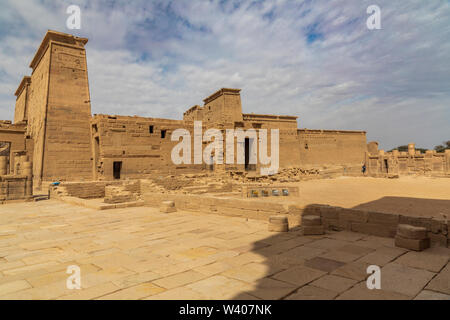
117, 167
386, 165
247, 153
96, 155
248, 148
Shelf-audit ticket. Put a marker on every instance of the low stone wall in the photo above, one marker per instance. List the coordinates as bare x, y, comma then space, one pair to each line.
119, 194
97, 204
377, 223
15, 187
247, 208
92, 190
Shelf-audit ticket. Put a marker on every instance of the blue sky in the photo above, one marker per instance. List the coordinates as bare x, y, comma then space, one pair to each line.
314, 59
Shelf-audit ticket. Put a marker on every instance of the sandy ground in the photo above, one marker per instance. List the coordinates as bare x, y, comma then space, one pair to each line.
419, 196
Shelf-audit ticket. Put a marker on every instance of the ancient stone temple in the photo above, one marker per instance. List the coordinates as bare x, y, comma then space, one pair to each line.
55, 131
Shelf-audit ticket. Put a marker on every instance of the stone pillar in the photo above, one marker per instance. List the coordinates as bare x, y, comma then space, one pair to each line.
3, 165
16, 167
22, 159
411, 149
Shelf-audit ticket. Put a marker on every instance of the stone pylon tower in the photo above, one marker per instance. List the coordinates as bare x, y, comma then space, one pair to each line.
59, 110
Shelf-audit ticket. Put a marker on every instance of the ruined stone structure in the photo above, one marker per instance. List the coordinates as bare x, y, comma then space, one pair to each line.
15, 167
385, 164
55, 131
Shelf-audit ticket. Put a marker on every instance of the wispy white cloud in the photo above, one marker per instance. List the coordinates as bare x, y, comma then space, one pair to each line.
314, 59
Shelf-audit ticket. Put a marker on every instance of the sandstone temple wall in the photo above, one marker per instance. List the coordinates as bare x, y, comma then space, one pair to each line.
141, 145
53, 126
331, 147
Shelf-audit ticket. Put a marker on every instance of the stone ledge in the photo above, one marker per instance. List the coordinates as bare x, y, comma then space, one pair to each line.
380, 224
97, 204
236, 207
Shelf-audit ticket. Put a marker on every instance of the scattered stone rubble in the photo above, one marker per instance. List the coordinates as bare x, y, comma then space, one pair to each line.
119, 194
226, 182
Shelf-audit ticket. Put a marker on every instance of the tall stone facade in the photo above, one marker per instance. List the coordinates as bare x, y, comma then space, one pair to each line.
55, 103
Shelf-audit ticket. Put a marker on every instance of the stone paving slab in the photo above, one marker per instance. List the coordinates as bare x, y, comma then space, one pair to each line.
405, 280
423, 260
140, 253
441, 283
334, 283
382, 256
360, 292
299, 275
312, 293
271, 289
431, 295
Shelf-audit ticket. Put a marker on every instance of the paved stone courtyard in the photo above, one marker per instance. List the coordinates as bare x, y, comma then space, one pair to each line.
140, 253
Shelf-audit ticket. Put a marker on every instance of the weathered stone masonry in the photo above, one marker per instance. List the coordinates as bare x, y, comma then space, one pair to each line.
54, 128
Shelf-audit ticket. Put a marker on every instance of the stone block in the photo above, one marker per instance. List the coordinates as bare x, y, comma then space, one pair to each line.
412, 244
311, 221
167, 210
278, 227
167, 207
170, 204
278, 219
411, 232
278, 224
